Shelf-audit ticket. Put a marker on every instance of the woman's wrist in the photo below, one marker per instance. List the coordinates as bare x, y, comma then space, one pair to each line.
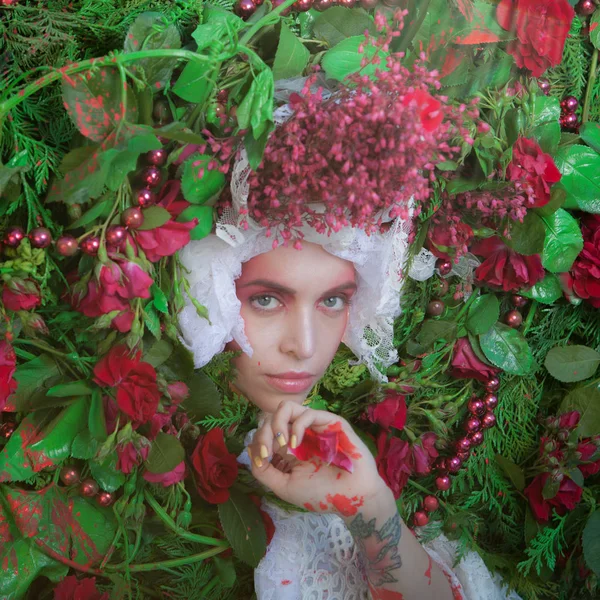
380, 505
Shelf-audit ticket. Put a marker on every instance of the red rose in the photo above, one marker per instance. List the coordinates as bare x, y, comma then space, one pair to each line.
71, 588
389, 413
129, 457
505, 269
429, 109
584, 278
178, 391
568, 496
216, 468
20, 294
535, 167
8, 365
587, 448
541, 27
424, 451
569, 420
393, 462
446, 240
117, 283
135, 381
166, 479
466, 365
164, 240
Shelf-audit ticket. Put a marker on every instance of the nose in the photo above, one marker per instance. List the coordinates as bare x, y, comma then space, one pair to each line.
299, 333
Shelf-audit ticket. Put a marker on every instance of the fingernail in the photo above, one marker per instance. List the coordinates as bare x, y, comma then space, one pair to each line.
263, 451
257, 462
293, 441
249, 452
281, 439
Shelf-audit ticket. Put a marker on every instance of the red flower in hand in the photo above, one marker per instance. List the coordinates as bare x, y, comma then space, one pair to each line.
504, 268
332, 446
389, 413
20, 294
568, 496
134, 380
466, 365
535, 167
216, 468
71, 588
8, 365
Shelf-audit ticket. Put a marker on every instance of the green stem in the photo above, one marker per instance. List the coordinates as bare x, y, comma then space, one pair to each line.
466, 306
530, 317
418, 486
106, 61
590, 86
43, 347
192, 537
174, 562
268, 19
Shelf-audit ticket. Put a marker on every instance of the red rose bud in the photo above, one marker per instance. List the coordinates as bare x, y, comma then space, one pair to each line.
587, 450
215, 467
129, 456
20, 294
569, 420
166, 479
566, 498
391, 412
33, 324
466, 365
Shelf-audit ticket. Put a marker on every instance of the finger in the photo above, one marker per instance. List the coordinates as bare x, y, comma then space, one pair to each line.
311, 419
272, 478
262, 443
286, 413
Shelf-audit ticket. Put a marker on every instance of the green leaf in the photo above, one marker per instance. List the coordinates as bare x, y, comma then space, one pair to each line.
159, 352
31, 375
513, 471
204, 214
255, 148
194, 85
558, 195
546, 109
98, 210
225, 570
96, 417
550, 488
580, 176
159, 299
595, 38
563, 241
94, 101
73, 388
548, 136
244, 528
151, 31
106, 474
590, 132
204, 398
17, 164
484, 312
256, 109
527, 237
338, 23
291, 57
152, 321
546, 291
572, 363
344, 59
154, 216
591, 541
434, 330
507, 349
165, 453
586, 400
84, 445
200, 184
54, 443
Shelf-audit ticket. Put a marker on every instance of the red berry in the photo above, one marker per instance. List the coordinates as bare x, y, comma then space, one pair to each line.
430, 503
421, 518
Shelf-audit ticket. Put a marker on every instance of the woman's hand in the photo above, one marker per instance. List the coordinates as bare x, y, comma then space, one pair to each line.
313, 484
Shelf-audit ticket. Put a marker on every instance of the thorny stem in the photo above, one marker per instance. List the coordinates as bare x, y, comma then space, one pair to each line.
590, 86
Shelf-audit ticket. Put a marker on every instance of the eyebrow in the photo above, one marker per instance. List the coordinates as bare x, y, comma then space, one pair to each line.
273, 285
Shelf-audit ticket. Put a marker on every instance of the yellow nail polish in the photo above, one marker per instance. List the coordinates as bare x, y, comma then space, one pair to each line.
249, 452
293, 441
264, 452
281, 440
257, 462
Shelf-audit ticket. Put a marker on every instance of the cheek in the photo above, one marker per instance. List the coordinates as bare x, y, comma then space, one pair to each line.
331, 332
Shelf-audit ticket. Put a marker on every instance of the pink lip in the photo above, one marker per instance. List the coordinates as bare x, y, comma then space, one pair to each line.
291, 382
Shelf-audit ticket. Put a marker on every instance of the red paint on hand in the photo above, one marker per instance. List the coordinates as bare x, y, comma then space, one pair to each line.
381, 594
285, 582
323, 505
428, 571
309, 506
344, 505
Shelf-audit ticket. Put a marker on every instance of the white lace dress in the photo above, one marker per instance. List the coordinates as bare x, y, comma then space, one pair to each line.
312, 556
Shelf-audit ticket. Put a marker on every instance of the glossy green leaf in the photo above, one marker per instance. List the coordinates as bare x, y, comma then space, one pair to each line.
199, 183
165, 453
590, 132
152, 321
546, 109
193, 85
507, 349
255, 111
159, 299
558, 195
106, 474
96, 417
484, 312
243, 527
572, 363
225, 570
563, 241
580, 176
546, 291
590, 541
594, 26
586, 400
338, 23
158, 353
527, 237
255, 148
151, 31
154, 216
73, 388
204, 398
344, 59
434, 330
17, 164
547, 136
32, 374
514, 472
291, 57
84, 446
98, 210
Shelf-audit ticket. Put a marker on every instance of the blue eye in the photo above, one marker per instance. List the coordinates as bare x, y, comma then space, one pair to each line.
335, 302
264, 302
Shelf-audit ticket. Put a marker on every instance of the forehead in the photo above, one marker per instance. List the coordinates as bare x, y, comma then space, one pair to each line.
290, 267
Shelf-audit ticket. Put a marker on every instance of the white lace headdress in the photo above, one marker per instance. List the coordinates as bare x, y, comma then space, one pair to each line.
215, 262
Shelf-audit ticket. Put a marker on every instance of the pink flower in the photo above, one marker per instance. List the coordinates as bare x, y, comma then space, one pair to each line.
446, 238
129, 457
164, 240
20, 294
391, 412
178, 391
167, 479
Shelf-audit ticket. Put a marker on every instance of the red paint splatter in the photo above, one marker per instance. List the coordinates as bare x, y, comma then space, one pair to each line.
323, 505
428, 571
309, 506
343, 441
593, 26
344, 505
338, 475
381, 594
285, 582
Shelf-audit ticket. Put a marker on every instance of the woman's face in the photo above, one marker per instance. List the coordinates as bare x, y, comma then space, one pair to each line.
295, 310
